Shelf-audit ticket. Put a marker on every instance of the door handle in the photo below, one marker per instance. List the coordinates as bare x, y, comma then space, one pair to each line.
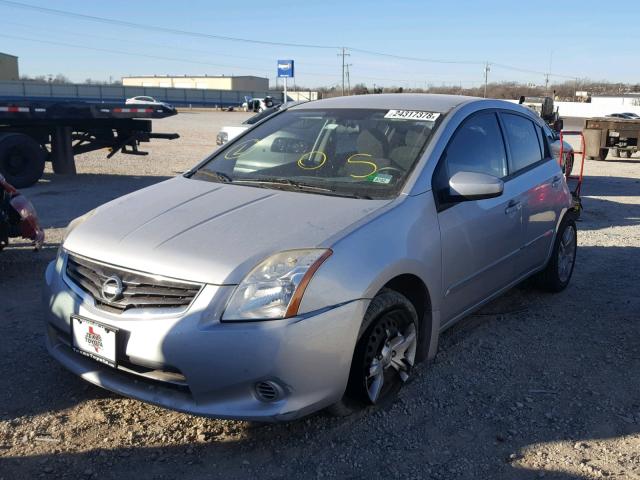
512, 207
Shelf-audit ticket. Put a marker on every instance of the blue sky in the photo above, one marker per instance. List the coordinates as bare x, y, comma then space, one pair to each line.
584, 39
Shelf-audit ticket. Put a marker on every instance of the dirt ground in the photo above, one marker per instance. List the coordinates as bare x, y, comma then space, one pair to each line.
534, 385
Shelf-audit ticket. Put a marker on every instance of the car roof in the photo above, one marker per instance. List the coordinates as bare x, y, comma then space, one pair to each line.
402, 101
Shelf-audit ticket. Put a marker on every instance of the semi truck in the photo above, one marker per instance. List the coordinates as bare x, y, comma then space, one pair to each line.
34, 131
605, 134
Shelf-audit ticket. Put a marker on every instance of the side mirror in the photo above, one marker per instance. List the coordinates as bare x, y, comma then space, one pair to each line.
465, 186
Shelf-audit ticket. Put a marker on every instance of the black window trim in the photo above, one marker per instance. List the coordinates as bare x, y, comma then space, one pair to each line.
440, 205
513, 174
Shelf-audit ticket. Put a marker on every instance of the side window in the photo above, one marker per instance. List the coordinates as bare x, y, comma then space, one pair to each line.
477, 146
523, 141
544, 142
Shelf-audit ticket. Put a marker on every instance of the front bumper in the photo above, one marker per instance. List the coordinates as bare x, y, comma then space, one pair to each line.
193, 363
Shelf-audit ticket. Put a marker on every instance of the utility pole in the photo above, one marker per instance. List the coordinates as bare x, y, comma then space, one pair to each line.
343, 54
546, 82
347, 65
487, 69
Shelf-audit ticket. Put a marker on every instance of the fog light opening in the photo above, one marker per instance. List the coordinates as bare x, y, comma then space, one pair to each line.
268, 391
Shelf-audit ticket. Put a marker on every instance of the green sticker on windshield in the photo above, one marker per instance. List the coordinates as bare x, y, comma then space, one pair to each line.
381, 178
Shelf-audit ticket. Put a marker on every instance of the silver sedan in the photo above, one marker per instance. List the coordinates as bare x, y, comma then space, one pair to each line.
313, 261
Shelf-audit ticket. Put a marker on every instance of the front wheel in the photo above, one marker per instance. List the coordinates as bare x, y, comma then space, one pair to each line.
557, 274
384, 355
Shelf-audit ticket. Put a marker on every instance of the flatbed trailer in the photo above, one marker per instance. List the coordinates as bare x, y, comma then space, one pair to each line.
34, 132
620, 135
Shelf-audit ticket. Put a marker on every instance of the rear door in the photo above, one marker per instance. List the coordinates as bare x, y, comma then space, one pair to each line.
480, 238
536, 173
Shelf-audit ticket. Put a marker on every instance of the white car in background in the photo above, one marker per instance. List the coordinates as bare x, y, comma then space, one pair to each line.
228, 133
144, 100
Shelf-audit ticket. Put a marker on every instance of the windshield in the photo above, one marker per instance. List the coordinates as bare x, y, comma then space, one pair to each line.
362, 153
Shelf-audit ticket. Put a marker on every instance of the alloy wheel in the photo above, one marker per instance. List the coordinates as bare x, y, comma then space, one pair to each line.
391, 351
566, 253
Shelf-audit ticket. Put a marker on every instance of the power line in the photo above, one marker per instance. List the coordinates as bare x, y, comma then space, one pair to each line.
415, 59
124, 23
536, 72
121, 52
173, 47
139, 26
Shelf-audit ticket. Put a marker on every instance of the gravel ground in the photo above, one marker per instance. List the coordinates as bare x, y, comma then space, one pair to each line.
534, 385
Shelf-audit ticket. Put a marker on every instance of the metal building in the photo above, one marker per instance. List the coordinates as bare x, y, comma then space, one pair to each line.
9, 67
205, 82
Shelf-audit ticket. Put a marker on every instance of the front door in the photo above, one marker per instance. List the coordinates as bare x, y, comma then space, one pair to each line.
480, 239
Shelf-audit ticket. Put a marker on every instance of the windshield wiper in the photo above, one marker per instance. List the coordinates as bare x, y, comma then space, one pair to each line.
281, 182
285, 182
219, 176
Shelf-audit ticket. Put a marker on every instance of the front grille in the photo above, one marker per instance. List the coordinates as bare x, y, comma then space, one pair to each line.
139, 290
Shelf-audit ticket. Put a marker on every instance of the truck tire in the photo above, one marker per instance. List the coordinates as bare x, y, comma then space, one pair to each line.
603, 154
21, 159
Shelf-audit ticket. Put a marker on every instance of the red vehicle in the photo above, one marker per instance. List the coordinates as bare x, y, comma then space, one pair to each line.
18, 217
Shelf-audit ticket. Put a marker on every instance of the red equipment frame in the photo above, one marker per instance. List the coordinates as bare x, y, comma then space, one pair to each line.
575, 192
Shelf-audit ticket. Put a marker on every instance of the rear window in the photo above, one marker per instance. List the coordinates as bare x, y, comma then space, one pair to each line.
523, 141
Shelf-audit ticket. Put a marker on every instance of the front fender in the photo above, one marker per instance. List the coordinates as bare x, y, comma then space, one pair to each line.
403, 240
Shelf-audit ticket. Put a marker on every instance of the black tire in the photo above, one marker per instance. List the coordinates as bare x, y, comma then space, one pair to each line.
568, 166
603, 154
21, 159
554, 278
389, 316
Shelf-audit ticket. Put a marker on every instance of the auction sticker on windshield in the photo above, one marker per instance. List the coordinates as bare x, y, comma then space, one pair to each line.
412, 115
94, 340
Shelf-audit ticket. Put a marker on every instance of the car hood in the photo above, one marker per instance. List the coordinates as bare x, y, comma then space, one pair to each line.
210, 232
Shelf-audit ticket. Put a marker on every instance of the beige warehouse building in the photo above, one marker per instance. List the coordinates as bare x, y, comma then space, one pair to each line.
9, 67
246, 83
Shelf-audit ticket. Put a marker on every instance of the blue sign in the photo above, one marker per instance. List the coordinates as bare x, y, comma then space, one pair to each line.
285, 68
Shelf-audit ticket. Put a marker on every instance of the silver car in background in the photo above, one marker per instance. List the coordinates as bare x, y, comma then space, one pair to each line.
314, 260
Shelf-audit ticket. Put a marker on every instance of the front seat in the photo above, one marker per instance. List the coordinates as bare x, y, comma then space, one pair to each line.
372, 142
373, 147
404, 155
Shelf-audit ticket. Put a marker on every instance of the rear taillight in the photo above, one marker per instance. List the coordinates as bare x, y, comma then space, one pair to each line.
29, 225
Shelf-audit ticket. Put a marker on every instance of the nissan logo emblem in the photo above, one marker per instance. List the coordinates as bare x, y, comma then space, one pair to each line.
112, 289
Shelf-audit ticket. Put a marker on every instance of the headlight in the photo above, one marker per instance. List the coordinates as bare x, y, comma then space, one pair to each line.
274, 288
76, 222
